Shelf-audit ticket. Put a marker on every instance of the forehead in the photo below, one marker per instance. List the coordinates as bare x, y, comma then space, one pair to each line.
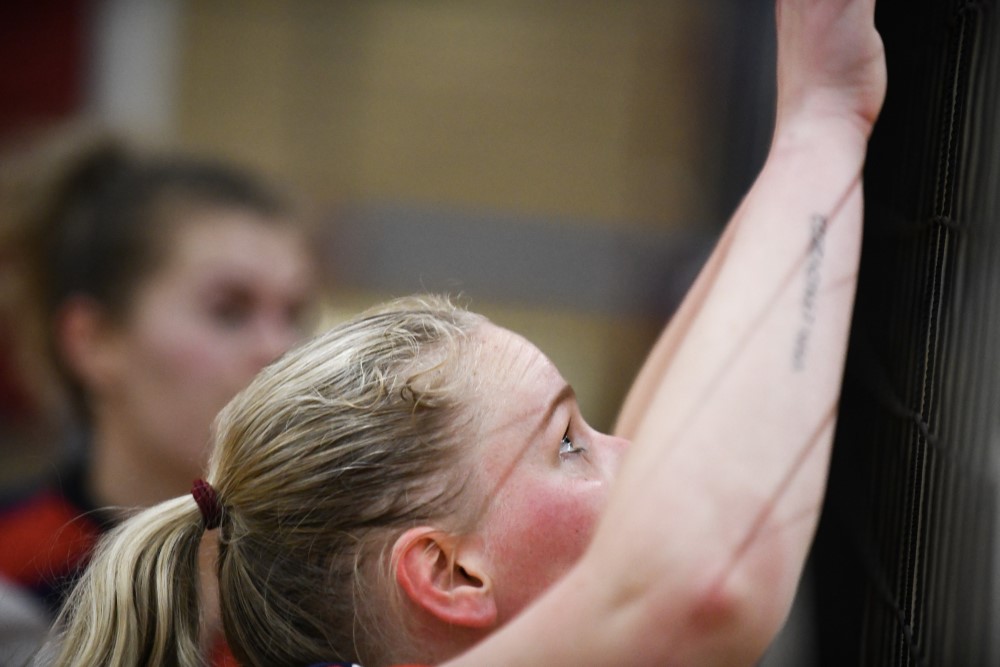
514, 387
510, 371
239, 245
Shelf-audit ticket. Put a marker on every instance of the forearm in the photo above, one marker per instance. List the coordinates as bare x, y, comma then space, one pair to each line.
640, 394
731, 455
637, 401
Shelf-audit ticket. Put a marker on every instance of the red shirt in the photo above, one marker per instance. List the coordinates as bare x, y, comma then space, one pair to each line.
47, 537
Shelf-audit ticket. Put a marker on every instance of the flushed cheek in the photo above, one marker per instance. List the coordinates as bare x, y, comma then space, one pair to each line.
539, 535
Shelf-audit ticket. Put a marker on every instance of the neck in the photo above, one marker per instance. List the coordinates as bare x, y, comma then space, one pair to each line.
123, 473
430, 641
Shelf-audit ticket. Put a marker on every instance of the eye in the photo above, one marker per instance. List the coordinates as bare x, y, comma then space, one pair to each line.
566, 446
232, 313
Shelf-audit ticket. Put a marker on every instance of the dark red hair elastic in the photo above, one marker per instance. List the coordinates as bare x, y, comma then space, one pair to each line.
208, 503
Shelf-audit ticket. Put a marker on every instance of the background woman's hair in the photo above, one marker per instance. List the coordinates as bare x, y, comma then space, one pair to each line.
320, 464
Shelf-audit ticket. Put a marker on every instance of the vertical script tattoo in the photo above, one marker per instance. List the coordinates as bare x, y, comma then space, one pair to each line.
814, 261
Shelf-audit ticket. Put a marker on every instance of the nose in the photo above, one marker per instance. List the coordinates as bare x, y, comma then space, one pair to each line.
612, 449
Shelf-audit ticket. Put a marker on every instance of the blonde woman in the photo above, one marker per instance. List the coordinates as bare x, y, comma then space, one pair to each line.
418, 486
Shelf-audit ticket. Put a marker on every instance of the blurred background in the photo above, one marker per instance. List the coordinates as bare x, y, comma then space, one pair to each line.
563, 165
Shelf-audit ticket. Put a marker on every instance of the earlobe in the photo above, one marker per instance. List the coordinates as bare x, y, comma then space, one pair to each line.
82, 338
437, 576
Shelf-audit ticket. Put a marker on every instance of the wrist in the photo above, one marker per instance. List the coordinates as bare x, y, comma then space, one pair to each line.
855, 106
836, 133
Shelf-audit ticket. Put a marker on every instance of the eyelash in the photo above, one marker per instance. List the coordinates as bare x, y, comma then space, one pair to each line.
572, 449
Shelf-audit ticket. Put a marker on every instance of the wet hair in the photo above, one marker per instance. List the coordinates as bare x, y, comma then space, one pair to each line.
93, 218
319, 465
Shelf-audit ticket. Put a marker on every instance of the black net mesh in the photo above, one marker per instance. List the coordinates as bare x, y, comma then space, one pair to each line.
905, 562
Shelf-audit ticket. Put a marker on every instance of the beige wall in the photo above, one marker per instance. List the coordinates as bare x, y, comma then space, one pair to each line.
580, 110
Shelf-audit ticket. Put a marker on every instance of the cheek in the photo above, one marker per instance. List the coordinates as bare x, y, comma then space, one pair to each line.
190, 354
539, 534
178, 376
189, 364
558, 525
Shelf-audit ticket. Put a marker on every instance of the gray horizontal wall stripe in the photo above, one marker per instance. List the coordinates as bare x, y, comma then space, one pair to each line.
540, 263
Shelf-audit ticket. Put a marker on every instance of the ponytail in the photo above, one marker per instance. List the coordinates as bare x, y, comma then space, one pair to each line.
137, 603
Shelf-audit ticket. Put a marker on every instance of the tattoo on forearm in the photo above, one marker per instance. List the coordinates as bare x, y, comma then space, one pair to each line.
814, 261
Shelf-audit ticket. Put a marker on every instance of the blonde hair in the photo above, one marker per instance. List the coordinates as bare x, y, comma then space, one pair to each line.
319, 464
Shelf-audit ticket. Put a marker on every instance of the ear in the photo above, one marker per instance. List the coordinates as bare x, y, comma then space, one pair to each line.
83, 335
442, 576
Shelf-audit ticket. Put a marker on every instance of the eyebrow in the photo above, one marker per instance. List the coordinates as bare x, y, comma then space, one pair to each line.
564, 394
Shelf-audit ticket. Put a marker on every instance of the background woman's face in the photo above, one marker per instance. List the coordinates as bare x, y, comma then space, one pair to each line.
228, 298
544, 473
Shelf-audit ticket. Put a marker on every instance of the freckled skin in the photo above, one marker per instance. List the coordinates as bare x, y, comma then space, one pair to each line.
540, 508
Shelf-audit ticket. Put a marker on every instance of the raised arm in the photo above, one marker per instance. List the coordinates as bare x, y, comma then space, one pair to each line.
854, 96
698, 554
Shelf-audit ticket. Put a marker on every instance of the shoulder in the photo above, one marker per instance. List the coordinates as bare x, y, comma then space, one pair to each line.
44, 535
23, 624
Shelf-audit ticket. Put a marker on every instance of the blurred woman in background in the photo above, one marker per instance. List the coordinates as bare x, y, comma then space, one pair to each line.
153, 287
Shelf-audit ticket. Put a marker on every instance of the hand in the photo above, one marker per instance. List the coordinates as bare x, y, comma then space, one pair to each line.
831, 62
